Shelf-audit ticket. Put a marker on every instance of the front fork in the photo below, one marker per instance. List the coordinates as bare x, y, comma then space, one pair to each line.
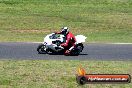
45, 45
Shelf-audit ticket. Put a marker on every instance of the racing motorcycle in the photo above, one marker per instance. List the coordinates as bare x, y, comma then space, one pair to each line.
52, 42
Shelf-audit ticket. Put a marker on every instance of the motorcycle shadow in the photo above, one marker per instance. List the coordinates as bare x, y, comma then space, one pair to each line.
55, 53
82, 54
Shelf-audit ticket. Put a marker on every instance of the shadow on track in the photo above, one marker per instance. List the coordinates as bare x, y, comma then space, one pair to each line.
82, 54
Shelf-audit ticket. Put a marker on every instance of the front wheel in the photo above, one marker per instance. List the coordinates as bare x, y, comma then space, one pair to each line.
41, 49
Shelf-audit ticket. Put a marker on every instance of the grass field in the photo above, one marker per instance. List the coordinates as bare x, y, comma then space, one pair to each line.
99, 20
57, 74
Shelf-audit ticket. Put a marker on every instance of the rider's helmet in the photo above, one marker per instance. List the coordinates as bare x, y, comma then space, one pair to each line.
65, 30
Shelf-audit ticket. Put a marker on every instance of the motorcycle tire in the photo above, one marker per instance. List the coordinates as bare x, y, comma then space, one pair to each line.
41, 48
80, 47
76, 51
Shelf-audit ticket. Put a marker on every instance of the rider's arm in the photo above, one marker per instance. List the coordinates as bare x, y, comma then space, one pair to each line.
67, 42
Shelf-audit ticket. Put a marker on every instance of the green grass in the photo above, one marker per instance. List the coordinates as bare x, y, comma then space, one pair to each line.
57, 74
99, 20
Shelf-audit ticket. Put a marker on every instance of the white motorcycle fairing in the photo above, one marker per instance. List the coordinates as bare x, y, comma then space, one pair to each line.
49, 39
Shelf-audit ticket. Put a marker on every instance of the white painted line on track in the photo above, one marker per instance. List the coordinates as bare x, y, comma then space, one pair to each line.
36, 42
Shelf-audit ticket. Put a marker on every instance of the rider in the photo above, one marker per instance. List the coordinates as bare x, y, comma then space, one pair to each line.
70, 40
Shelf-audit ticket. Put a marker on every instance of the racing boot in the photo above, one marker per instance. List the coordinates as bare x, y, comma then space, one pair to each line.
67, 52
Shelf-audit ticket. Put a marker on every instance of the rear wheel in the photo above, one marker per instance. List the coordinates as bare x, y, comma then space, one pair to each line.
80, 48
76, 51
41, 49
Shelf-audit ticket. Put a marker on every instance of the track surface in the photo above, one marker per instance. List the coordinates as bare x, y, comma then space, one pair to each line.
91, 52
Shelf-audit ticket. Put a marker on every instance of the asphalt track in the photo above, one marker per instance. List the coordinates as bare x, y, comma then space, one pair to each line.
91, 51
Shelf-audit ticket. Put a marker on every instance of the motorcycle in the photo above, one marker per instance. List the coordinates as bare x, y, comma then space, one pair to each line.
52, 42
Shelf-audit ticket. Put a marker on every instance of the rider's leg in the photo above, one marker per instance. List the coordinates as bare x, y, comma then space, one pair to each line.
68, 51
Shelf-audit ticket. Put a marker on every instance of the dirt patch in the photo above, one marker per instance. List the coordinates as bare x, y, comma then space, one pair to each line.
32, 31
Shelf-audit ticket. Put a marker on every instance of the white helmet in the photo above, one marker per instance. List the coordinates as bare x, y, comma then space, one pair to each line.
65, 30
